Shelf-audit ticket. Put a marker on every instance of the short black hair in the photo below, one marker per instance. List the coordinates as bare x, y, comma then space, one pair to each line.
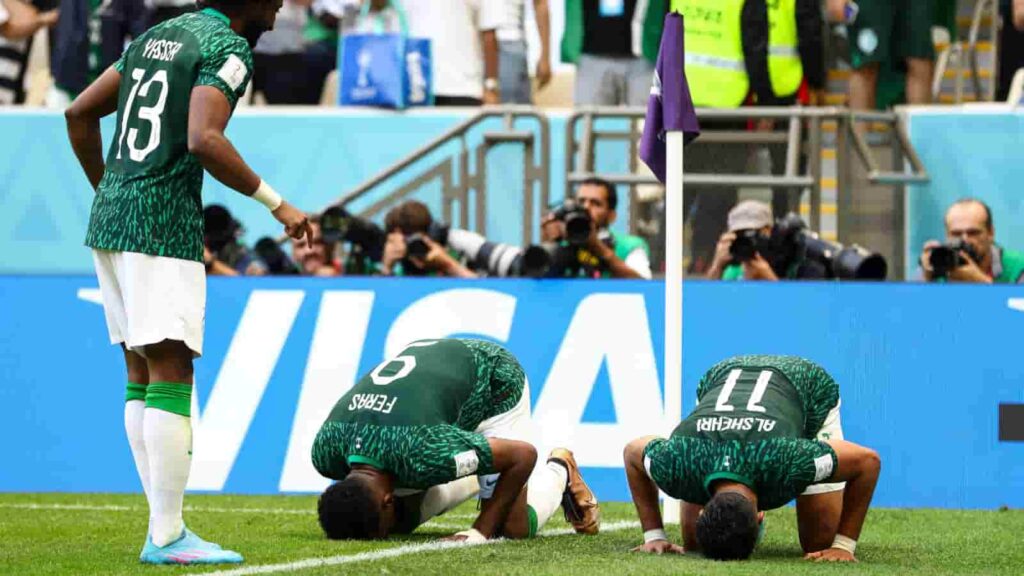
609, 190
347, 510
988, 211
727, 530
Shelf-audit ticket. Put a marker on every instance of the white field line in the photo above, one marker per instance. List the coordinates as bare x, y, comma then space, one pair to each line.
200, 509
120, 508
394, 552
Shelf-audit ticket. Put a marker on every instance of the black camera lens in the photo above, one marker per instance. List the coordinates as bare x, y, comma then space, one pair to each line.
416, 246
943, 259
744, 247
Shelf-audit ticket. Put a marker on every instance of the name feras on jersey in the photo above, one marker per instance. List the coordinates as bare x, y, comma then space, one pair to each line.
376, 402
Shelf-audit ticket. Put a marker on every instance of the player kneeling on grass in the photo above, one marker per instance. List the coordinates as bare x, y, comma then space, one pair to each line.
766, 430
407, 440
174, 90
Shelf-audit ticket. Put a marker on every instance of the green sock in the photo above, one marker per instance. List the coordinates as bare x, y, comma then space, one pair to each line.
135, 392
531, 516
170, 397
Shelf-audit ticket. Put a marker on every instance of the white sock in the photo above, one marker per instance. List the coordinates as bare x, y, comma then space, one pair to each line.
544, 490
133, 417
439, 499
168, 440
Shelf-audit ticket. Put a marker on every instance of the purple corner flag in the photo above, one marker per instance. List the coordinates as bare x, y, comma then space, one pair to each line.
670, 107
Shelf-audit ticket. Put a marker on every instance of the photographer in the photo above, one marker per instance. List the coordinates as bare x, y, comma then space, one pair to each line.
415, 245
755, 249
223, 252
970, 253
316, 257
584, 224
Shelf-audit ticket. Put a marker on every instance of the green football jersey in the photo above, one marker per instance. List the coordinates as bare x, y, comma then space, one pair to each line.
756, 422
150, 198
416, 414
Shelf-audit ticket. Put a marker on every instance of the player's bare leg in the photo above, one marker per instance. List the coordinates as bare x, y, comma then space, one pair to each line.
134, 410
817, 517
168, 439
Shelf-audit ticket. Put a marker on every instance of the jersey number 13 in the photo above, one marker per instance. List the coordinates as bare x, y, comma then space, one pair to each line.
150, 114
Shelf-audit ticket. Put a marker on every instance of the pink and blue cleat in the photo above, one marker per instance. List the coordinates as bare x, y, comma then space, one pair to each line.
188, 549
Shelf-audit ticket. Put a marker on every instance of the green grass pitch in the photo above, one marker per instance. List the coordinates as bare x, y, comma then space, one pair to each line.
102, 534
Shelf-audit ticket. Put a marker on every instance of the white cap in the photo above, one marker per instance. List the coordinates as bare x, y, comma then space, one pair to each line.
749, 215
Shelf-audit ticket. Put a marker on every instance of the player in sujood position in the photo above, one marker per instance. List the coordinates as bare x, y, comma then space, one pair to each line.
407, 440
182, 79
766, 430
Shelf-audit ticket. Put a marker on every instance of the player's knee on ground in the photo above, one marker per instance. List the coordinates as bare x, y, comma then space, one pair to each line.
350, 510
727, 530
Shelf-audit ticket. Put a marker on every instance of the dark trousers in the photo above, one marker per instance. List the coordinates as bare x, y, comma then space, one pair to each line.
1011, 53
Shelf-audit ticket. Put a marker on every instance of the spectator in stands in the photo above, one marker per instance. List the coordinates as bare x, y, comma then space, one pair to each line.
279, 70
223, 251
18, 23
316, 257
162, 10
796, 51
888, 32
981, 261
90, 36
19, 20
726, 63
320, 56
1011, 45
411, 223
614, 47
796, 58
759, 259
615, 255
464, 47
514, 73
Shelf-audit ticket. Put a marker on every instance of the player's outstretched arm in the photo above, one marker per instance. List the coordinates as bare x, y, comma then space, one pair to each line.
83, 121
208, 115
645, 498
859, 468
514, 461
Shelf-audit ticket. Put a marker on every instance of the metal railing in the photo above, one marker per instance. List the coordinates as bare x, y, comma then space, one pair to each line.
953, 57
461, 179
851, 129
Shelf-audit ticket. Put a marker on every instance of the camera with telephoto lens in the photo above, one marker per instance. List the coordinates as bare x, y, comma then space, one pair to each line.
793, 239
747, 244
273, 256
950, 256
577, 221
566, 260
497, 259
416, 246
366, 238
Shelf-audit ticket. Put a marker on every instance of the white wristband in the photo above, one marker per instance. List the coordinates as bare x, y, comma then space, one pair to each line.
265, 195
656, 534
844, 543
472, 535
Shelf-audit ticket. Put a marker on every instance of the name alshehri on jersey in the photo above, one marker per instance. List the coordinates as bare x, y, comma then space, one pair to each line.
150, 198
756, 422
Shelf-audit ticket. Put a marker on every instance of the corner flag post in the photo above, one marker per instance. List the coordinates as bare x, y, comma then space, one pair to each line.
670, 124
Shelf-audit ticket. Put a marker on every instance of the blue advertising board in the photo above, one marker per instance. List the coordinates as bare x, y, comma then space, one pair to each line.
923, 371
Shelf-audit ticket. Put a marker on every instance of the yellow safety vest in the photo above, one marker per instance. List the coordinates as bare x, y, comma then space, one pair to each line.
784, 66
715, 67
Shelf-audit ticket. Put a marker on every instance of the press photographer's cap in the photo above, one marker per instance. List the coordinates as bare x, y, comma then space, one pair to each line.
750, 214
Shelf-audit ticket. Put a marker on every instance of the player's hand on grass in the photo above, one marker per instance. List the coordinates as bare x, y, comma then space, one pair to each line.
659, 547
296, 223
472, 536
831, 555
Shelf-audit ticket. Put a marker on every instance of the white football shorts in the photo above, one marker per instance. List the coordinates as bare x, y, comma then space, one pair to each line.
149, 299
